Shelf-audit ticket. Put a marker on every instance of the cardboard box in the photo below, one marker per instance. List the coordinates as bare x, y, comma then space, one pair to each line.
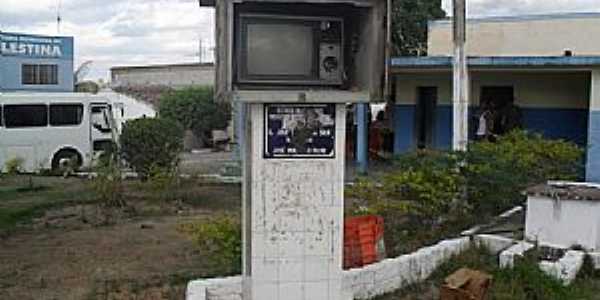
466, 284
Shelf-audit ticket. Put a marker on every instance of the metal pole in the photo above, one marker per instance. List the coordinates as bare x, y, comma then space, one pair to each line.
388, 51
460, 136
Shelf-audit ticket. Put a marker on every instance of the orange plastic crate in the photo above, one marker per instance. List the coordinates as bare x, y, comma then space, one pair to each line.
362, 235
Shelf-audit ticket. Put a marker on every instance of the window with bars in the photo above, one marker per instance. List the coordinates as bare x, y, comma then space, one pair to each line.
39, 74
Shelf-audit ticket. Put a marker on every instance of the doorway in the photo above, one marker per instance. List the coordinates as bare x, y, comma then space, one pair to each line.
425, 116
498, 99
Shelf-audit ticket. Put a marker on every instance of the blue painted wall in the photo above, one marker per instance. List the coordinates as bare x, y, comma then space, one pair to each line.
593, 152
553, 123
404, 128
17, 49
443, 127
562, 123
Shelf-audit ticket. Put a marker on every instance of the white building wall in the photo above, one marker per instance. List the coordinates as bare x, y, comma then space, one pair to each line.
532, 89
546, 35
563, 223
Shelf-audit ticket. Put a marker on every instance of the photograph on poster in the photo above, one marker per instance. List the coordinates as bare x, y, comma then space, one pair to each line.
300, 131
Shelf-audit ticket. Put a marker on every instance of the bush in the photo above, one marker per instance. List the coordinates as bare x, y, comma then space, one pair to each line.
195, 109
423, 184
14, 166
219, 238
107, 184
497, 173
148, 144
488, 178
431, 193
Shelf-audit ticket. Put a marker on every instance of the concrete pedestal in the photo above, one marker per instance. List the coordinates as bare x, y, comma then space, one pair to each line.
293, 218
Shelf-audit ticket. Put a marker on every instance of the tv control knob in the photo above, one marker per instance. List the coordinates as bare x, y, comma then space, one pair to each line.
330, 64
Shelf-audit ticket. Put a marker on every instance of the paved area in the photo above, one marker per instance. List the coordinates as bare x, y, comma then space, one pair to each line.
206, 161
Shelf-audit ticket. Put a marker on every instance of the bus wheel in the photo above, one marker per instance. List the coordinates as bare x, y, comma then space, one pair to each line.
66, 161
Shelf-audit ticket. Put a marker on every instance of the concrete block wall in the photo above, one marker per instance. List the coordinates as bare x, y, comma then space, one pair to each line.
174, 76
566, 268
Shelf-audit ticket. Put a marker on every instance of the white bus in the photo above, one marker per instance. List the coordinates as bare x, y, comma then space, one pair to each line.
44, 129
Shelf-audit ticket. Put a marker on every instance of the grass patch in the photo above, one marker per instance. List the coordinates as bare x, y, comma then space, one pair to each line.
23, 198
524, 282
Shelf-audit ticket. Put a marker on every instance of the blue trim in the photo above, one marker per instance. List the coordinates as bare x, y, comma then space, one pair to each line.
521, 18
593, 153
404, 125
498, 61
362, 140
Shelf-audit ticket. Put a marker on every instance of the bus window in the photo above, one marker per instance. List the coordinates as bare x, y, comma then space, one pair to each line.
35, 115
66, 114
1, 117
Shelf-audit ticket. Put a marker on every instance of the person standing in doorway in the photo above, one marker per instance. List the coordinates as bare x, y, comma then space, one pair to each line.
486, 122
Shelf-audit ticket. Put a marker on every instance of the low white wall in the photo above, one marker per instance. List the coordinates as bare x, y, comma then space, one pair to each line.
563, 223
370, 281
507, 257
566, 268
228, 288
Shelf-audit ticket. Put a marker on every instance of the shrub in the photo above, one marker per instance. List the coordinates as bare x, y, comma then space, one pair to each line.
151, 143
219, 238
163, 183
498, 172
432, 193
195, 109
415, 200
107, 184
423, 184
14, 165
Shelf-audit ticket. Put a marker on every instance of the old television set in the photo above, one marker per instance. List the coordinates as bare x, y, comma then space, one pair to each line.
290, 50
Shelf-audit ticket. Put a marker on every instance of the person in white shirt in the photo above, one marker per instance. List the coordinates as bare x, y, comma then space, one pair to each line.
486, 120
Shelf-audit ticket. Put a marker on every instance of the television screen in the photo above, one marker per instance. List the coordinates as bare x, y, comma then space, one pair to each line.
276, 49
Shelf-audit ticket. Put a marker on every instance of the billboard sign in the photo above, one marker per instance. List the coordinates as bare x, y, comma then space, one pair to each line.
34, 46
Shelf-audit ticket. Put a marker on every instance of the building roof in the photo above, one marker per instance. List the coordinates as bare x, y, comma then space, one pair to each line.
534, 62
162, 66
520, 18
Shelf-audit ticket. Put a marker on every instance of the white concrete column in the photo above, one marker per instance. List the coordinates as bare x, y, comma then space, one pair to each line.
460, 98
593, 151
293, 216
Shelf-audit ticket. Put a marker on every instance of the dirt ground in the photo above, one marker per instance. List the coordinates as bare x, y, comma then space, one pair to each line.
84, 251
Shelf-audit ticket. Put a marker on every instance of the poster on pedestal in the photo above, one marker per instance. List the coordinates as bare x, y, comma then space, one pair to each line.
299, 131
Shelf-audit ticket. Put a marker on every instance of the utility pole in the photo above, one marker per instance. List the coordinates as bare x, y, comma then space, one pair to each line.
460, 136
58, 17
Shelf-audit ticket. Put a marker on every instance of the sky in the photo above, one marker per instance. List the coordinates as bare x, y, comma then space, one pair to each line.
140, 32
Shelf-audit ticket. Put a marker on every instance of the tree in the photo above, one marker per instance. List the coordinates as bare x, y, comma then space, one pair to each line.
409, 25
195, 109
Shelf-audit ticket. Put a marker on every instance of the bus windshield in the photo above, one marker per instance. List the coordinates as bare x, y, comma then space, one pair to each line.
101, 118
